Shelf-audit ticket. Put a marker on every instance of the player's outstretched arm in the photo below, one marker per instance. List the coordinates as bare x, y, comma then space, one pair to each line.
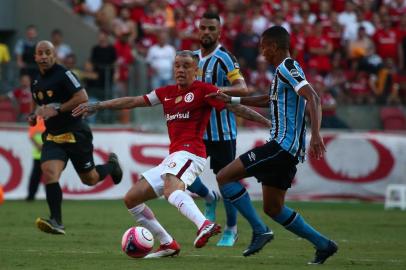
317, 147
255, 101
248, 114
112, 104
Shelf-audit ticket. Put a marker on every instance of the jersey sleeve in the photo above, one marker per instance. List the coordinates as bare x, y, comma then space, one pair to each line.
231, 66
213, 102
153, 98
292, 73
71, 82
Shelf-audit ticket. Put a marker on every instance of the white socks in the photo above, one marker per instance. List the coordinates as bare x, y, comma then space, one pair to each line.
186, 205
145, 217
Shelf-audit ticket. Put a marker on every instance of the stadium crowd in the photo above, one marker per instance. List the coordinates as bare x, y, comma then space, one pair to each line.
353, 51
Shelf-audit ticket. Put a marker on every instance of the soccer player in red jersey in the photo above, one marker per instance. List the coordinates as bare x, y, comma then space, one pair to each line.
187, 111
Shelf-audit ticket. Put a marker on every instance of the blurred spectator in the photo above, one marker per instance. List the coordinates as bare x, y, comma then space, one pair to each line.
4, 59
246, 45
21, 98
4, 54
298, 44
35, 135
186, 31
362, 46
160, 58
125, 60
230, 29
384, 84
259, 22
105, 15
305, 16
24, 51
386, 40
123, 23
358, 85
62, 49
261, 78
103, 57
348, 17
402, 43
397, 10
335, 83
328, 105
351, 30
320, 48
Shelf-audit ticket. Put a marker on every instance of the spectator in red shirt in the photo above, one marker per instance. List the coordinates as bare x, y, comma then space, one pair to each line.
386, 40
21, 97
402, 43
186, 30
320, 48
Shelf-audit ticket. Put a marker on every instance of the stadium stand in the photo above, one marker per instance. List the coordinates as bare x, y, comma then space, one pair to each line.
393, 118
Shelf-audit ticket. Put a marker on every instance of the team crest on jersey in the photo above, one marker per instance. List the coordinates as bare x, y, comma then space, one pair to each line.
294, 73
172, 165
189, 97
50, 93
40, 95
178, 99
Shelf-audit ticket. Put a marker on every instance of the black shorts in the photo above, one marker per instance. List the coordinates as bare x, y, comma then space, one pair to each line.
221, 153
271, 165
80, 152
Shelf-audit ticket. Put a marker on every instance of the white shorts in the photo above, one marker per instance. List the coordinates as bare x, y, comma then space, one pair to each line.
184, 165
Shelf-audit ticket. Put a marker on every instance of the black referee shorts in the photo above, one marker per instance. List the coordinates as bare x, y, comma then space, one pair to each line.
271, 165
79, 152
221, 153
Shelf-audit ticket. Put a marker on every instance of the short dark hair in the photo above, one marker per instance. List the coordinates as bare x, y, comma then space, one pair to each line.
277, 34
188, 53
56, 31
211, 15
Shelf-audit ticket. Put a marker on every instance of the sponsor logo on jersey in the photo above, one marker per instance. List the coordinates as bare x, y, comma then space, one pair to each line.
294, 73
170, 117
189, 97
178, 99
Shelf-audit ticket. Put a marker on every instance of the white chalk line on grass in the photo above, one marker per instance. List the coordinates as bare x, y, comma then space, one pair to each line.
395, 261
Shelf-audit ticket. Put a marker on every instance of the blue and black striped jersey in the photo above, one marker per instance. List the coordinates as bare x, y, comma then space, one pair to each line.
287, 108
219, 68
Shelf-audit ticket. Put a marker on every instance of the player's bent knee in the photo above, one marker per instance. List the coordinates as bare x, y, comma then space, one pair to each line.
89, 179
50, 175
272, 210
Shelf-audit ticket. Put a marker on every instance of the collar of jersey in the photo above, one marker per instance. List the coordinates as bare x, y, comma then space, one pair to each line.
210, 54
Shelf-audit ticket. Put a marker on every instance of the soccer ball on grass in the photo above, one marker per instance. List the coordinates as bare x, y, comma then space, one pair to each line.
137, 242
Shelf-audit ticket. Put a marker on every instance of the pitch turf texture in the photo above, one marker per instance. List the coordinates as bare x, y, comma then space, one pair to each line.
368, 237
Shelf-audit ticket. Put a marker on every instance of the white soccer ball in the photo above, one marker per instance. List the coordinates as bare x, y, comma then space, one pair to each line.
137, 242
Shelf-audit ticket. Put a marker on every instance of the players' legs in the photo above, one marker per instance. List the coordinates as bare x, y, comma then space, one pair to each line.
274, 206
235, 193
175, 194
52, 170
134, 200
98, 173
35, 179
81, 156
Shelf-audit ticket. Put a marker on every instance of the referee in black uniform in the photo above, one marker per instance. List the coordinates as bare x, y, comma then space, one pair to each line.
56, 91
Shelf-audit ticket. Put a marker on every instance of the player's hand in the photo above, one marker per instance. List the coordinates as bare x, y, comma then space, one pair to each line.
317, 147
32, 119
220, 96
46, 111
85, 109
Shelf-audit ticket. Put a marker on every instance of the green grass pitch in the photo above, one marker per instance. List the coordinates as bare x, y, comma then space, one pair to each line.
368, 238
